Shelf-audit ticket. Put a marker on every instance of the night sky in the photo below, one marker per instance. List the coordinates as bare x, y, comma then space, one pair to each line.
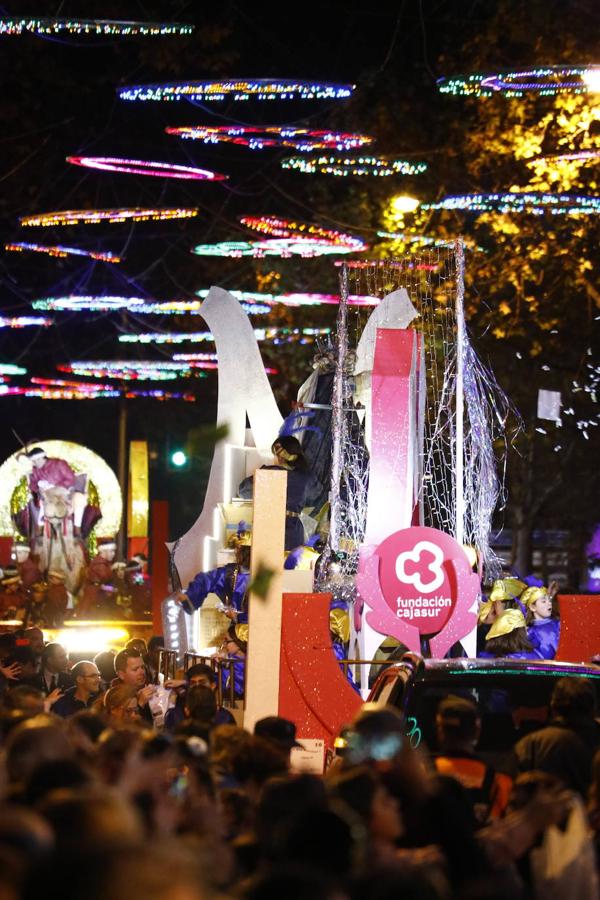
59, 99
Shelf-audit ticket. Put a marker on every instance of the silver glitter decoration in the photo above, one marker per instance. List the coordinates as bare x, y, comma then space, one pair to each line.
465, 411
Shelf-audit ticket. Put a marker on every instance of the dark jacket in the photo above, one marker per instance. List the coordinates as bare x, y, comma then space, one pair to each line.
68, 704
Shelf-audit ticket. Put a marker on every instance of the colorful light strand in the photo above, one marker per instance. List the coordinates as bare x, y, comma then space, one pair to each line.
12, 369
145, 167
280, 247
581, 156
255, 138
24, 321
208, 361
127, 370
296, 299
289, 228
98, 27
383, 263
137, 305
535, 202
237, 89
276, 335
62, 252
112, 216
63, 393
544, 80
358, 166
424, 241
81, 302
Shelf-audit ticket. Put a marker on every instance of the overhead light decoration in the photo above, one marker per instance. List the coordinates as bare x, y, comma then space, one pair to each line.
280, 247
423, 240
543, 80
145, 167
383, 263
255, 138
355, 166
127, 370
137, 305
62, 252
97, 27
581, 156
79, 302
58, 392
274, 335
112, 216
208, 361
296, 299
237, 89
535, 202
25, 321
11, 369
289, 229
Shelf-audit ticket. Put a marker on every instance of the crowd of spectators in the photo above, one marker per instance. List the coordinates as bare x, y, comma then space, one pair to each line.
104, 800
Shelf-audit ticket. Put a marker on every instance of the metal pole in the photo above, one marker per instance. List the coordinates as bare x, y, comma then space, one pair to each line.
337, 414
460, 347
122, 475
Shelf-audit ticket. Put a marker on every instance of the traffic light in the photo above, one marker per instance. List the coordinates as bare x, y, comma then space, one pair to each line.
178, 459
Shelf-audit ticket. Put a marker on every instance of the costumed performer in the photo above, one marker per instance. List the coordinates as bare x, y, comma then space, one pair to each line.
57, 599
543, 628
507, 638
234, 647
300, 485
29, 571
229, 582
98, 580
51, 472
12, 595
504, 592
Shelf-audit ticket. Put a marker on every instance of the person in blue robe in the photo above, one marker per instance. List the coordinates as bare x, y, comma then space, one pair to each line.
507, 638
543, 628
301, 486
230, 584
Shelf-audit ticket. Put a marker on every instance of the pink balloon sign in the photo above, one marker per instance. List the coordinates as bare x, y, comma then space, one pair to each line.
419, 582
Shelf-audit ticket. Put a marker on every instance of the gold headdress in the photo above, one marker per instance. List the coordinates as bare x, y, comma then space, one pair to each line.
506, 622
507, 589
532, 595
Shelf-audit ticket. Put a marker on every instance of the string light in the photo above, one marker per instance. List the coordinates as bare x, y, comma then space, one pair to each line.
281, 247
238, 89
358, 166
526, 201
127, 370
544, 80
581, 156
276, 335
255, 138
102, 27
81, 393
24, 321
146, 167
138, 305
384, 263
297, 299
112, 216
424, 241
11, 369
79, 302
288, 228
62, 252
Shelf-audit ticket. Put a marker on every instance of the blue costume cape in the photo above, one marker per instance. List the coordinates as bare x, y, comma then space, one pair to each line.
229, 583
543, 635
